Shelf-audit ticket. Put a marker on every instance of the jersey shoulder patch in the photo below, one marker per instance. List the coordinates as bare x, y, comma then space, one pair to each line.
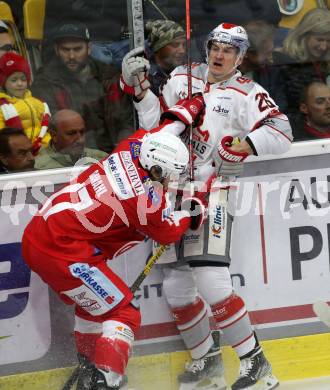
241, 84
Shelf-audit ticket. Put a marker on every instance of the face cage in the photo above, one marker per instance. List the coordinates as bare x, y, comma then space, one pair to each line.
160, 173
241, 51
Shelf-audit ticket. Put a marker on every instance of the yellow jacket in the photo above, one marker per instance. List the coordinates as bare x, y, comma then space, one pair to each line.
30, 111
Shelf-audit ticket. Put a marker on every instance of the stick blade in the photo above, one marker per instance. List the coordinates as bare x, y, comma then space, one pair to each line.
322, 310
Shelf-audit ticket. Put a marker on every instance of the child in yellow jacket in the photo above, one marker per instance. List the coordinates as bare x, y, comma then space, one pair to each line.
18, 108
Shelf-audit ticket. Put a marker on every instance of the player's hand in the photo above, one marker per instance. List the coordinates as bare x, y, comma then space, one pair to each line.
134, 76
196, 209
188, 111
228, 162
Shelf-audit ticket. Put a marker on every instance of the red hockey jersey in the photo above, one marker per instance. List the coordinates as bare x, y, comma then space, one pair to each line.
111, 206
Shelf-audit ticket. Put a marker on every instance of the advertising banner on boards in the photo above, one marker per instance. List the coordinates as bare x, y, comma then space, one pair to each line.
280, 262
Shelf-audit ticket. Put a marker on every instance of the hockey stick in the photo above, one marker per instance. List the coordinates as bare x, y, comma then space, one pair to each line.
158, 9
72, 379
146, 270
191, 149
136, 32
135, 23
135, 286
322, 310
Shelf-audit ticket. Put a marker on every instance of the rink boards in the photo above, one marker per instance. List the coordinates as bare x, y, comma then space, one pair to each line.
280, 265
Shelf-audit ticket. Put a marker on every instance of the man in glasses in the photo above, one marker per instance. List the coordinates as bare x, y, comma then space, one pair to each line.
6, 40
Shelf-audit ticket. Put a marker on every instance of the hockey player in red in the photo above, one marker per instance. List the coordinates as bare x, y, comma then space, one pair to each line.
109, 207
235, 107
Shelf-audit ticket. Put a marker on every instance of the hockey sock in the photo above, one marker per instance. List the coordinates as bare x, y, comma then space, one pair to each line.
233, 319
85, 343
256, 348
193, 323
113, 348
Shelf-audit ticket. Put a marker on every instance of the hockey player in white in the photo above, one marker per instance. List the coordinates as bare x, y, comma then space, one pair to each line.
235, 107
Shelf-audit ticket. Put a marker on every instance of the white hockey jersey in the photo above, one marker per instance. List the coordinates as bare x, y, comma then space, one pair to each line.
238, 107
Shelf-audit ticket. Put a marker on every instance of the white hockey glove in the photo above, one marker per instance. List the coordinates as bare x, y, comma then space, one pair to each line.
134, 76
227, 162
197, 210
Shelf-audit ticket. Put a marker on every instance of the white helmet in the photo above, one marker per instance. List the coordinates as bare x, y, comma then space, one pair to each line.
164, 151
231, 34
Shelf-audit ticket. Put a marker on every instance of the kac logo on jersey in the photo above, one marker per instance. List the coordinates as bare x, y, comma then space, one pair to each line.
102, 286
135, 148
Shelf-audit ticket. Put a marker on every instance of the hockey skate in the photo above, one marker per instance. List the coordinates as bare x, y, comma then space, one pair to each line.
100, 383
255, 373
86, 373
207, 372
90, 378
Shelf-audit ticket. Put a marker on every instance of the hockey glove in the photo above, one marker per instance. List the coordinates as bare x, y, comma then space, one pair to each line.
227, 162
188, 111
197, 211
134, 77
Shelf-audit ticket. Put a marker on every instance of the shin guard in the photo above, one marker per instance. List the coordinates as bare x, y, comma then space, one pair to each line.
86, 333
113, 348
85, 344
193, 323
233, 319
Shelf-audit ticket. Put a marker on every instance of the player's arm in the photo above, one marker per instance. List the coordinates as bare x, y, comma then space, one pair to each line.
165, 226
270, 130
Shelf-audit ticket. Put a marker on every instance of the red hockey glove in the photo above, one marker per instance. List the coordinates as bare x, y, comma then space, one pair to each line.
187, 111
197, 211
227, 162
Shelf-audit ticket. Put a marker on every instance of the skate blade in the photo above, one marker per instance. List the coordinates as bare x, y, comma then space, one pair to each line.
213, 383
268, 382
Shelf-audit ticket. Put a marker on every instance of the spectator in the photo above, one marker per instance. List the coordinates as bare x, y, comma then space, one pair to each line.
6, 40
67, 144
258, 61
15, 151
74, 80
18, 108
108, 45
98, 15
168, 50
310, 39
313, 119
305, 55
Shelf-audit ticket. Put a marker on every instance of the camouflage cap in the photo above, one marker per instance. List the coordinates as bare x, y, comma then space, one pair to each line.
162, 32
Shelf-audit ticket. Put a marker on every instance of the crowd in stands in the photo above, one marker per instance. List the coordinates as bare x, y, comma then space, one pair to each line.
78, 84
